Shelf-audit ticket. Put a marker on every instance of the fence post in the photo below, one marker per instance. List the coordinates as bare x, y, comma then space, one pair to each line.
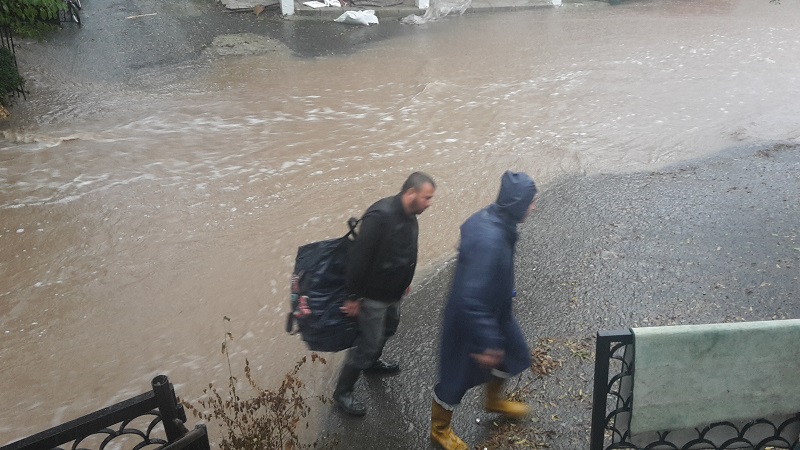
167, 405
602, 356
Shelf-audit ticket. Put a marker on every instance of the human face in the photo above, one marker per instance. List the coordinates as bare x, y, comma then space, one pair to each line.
530, 209
421, 199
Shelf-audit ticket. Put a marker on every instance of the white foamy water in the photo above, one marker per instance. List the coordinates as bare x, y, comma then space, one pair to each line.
148, 215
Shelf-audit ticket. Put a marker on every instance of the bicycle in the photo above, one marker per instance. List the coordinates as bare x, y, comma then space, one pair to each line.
71, 13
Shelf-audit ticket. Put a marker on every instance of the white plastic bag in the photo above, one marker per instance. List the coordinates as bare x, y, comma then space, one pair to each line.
363, 17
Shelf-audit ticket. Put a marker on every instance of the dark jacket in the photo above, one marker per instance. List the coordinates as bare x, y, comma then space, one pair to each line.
478, 315
384, 255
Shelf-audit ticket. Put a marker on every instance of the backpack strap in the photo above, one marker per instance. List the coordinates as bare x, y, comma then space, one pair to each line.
352, 223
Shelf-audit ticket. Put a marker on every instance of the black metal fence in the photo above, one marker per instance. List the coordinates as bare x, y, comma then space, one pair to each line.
151, 420
7, 42
613, 398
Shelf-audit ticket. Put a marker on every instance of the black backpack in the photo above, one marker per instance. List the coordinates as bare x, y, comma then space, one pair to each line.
318, 291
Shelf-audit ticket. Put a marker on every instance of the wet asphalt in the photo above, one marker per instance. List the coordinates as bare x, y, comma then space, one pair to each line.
707, 241
713, 240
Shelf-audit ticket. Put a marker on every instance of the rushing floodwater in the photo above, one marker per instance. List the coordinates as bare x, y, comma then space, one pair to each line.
132, 221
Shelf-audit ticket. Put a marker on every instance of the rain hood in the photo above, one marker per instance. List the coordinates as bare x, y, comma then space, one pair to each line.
516, 194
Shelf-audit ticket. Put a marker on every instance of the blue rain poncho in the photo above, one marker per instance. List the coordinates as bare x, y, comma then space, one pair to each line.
478, 315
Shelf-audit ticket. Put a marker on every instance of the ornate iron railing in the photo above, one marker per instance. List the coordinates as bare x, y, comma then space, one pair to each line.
611, 412
153, 420
7, 41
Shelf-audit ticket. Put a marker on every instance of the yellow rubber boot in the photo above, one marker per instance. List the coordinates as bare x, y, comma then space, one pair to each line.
441, 431
496, 401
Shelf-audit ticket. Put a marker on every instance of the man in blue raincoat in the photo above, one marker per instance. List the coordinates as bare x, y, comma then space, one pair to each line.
481, 340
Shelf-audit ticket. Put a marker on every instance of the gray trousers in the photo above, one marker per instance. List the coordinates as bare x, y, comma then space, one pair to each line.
378, 322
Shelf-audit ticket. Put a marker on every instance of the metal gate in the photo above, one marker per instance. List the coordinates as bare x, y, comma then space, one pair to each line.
7, 41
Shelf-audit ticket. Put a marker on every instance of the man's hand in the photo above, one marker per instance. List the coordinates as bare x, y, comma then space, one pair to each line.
350, 308
489, 359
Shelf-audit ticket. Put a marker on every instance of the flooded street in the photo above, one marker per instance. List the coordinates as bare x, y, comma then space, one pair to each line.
137, 211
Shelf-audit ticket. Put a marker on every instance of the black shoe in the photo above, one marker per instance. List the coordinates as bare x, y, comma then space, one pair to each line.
381, 367
349, 404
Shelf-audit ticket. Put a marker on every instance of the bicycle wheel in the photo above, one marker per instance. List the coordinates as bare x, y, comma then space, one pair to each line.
73, 13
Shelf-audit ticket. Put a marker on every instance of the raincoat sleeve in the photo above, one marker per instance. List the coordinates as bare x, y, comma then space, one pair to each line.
482, 288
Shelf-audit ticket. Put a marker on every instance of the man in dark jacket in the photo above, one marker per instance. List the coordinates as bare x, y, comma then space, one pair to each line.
481, 340
381, 266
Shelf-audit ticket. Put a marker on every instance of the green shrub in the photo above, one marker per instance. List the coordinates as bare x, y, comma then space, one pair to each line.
30, 18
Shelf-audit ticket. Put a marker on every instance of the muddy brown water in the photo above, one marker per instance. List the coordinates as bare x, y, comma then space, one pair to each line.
132, 221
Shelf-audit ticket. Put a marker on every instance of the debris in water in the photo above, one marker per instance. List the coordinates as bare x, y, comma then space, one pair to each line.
141, 15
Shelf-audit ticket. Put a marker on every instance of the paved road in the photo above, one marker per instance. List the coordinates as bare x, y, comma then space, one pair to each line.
702, 242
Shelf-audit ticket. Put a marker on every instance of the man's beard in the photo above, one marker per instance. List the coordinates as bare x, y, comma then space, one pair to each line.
416, 208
